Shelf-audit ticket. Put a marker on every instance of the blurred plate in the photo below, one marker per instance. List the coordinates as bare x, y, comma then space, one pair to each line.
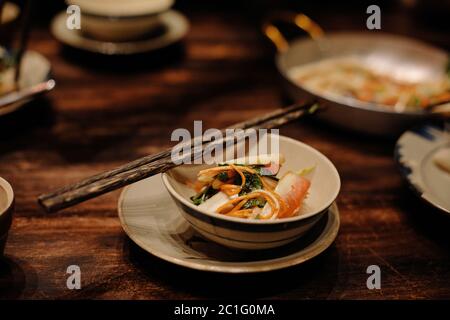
153, 221
35, 69
414, 152
174, 26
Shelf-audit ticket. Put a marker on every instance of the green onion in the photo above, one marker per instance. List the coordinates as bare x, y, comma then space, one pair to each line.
223, 176
255, 202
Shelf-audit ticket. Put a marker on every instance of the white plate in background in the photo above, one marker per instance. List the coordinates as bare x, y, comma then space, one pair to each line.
174, 24
414, 152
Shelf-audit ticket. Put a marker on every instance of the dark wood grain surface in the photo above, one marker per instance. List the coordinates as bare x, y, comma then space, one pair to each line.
105, 112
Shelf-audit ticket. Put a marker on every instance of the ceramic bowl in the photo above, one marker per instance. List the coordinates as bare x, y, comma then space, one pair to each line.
174, 27
261, 234
6, 211
115, 21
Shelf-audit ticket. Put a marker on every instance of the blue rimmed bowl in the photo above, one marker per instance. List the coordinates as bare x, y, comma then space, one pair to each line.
261, 234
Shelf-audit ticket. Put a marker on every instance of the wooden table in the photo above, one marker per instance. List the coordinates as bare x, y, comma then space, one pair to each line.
103, 114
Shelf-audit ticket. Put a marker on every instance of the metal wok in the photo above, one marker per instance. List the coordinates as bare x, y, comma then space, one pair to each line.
406, 58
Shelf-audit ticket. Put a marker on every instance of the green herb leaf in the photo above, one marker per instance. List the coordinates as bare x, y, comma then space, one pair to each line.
257, 169
252, 182
203, 195
223, 176
196, 201
256, 202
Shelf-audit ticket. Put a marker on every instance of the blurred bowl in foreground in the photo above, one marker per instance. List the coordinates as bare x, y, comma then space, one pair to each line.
6, 211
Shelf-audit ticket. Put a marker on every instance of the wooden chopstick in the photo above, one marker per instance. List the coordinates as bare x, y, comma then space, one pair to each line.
153, 164
165, 153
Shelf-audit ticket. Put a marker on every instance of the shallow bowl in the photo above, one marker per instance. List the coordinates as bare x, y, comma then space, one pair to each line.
261, 234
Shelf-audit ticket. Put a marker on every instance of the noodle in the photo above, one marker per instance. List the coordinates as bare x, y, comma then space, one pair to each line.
258, 194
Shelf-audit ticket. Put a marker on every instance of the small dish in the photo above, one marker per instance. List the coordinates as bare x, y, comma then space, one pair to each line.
415, 152
6, 211
152, 220
35, 69
253, 234
114, 20
174, 26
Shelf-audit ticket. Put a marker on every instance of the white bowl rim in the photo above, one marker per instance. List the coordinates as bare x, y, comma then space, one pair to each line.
255, 221
9, 195
163, 6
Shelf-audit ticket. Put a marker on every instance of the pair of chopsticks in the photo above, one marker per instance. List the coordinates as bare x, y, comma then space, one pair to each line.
160, 162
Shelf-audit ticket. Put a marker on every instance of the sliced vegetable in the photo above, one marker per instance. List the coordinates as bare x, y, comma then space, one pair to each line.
214, 202
203, 195
252, 190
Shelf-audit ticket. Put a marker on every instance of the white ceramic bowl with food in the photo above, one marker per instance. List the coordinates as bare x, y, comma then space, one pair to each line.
6, 211
242, 233
118, 20
388, 75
